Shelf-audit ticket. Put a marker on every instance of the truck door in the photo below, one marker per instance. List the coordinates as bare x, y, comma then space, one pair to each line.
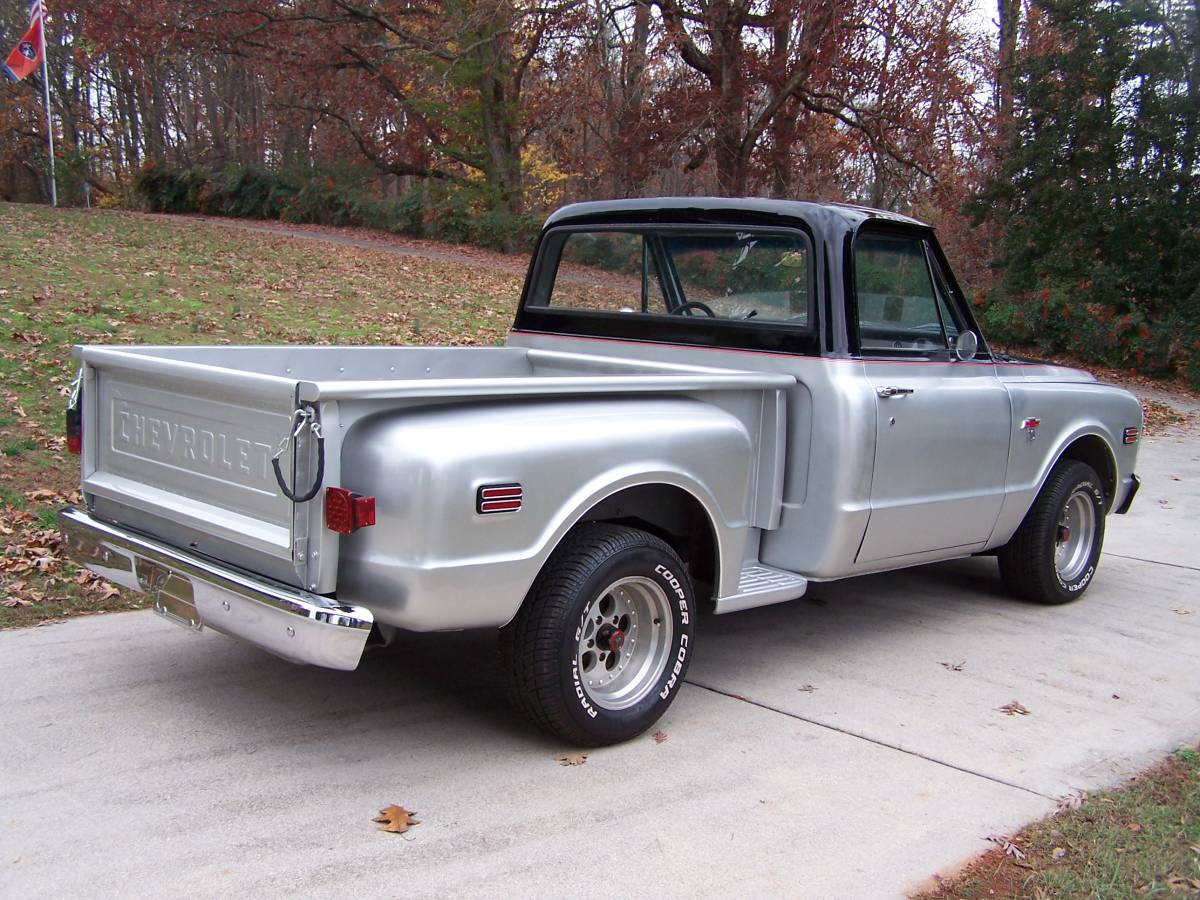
942, 424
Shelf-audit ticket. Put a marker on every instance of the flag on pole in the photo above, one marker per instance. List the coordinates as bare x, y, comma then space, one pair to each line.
27, 55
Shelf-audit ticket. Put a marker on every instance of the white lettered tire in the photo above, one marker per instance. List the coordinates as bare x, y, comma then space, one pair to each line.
601, 645
1053, 556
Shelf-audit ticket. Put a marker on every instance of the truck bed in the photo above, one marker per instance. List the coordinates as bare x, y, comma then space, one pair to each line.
178, 441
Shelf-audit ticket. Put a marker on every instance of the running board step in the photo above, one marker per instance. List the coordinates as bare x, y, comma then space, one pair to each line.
761, 585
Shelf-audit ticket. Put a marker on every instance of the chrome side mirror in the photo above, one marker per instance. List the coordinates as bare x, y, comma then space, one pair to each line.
965, 345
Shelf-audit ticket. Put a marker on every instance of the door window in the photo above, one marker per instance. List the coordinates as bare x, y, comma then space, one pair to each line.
898, 306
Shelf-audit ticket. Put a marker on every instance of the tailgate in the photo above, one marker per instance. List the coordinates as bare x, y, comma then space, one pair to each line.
183, 450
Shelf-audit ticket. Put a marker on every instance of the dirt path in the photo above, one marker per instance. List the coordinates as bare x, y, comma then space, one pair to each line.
367, 239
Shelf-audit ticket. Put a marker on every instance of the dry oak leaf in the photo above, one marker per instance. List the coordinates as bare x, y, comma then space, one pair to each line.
1009, 848
43, 494
1013, 708
571, 759
1180, 885
395, 819
659, 736
1182, 610
954, 667
1072, 801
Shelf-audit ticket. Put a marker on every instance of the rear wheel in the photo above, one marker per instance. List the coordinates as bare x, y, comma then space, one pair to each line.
602, 643
1053, 556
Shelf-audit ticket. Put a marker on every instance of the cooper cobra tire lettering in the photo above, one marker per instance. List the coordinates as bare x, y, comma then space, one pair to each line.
680, 661
677, 588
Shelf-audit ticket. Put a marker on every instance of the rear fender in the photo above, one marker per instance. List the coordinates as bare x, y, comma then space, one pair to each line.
433, 562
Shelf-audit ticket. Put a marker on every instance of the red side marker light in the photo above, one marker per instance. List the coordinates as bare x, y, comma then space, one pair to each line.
346, 511
1131, 435
499, 498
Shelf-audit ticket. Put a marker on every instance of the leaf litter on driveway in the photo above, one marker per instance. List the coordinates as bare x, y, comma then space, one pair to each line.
395, 819
1014, 708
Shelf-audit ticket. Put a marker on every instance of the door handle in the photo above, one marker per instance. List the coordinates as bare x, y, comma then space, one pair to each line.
892, 391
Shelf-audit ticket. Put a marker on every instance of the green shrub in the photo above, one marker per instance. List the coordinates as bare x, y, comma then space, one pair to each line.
1081, 322
246, 192
461, 214
171, 191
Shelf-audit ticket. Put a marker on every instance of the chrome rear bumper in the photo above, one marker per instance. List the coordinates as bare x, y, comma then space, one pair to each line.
194, 592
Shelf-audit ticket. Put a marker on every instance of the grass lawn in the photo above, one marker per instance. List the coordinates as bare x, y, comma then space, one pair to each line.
1142, 840
74, 276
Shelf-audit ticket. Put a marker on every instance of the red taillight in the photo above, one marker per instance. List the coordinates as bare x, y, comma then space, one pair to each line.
346, 511
74, 430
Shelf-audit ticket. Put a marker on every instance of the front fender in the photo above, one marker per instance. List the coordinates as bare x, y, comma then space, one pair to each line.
432, 562
1067, 412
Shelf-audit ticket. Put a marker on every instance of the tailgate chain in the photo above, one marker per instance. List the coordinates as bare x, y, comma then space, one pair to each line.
304, 418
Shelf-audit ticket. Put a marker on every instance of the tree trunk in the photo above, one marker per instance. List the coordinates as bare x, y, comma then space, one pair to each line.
1010, 22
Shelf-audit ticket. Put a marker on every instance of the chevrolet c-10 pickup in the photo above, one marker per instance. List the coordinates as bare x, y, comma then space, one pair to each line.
701, 403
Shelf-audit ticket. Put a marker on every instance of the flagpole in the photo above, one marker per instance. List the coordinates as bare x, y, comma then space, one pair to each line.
46, 97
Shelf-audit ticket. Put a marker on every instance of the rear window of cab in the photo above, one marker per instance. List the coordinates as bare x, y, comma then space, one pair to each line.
711, 276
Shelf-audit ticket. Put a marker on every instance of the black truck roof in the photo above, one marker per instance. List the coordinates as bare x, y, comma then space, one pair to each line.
724, 208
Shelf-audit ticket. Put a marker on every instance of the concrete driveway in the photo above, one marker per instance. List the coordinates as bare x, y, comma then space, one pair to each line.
822, 750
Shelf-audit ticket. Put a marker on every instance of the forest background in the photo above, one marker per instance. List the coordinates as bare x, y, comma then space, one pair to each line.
1054, 143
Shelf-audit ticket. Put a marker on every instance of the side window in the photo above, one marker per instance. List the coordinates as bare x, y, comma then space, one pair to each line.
898, 306
608, 271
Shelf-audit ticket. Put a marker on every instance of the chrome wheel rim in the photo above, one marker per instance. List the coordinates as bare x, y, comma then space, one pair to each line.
624, 642
1075, 535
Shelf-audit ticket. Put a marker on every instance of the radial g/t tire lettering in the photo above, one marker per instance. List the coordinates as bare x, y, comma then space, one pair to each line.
602, 642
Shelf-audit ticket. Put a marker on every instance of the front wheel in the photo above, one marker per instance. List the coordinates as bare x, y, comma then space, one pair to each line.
1053, 555
602, 643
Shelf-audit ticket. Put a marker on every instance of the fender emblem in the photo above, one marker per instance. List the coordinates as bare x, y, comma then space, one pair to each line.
499, 498
1031, 425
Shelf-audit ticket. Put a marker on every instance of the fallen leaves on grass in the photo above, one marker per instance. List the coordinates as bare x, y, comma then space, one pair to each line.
1072, 801
571, 759
395, 819
1181, 885
1059, 852
1014, 708
1007, 845
954, 667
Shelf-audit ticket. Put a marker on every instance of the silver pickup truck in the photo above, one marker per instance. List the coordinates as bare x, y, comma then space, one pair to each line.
702, 402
